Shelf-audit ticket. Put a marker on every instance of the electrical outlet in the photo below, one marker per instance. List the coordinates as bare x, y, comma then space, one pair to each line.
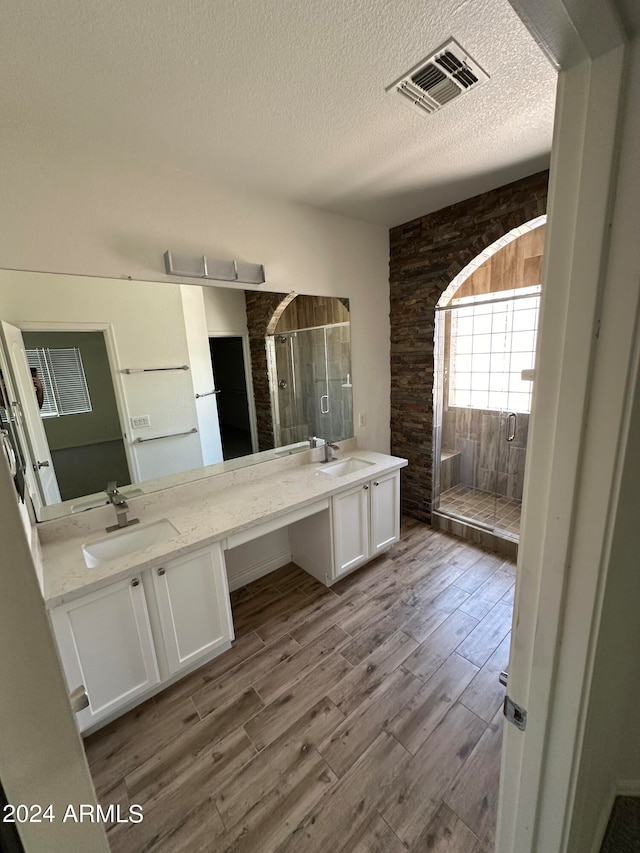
140, 421
362, 419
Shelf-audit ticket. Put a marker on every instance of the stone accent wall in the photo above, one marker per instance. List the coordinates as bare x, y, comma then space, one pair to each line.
260, 309
425, 255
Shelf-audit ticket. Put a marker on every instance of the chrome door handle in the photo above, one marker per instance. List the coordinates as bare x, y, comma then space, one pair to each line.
79, 699
323, 410
40, 465
502, 678
511, 426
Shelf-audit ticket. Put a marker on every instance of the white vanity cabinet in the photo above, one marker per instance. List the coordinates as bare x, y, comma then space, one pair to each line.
125, 641
193, 607
105, 642
384, 502
366, 521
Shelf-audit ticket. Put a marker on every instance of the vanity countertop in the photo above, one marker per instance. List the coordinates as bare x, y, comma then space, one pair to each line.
204, 512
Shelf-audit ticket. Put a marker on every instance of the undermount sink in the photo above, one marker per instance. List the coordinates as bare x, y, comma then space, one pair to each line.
344, 466
127, 541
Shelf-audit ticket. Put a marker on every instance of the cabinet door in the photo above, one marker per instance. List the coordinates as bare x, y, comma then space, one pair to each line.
193, 602
105, 643
351, 529
385, 512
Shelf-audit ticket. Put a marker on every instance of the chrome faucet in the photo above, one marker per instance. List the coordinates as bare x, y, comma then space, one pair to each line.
329, 455
121, 507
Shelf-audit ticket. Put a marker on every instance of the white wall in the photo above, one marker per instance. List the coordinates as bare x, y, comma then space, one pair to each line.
226, 311
64, 208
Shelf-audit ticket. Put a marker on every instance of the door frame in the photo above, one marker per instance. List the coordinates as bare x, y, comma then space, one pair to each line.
114, 369
248, 376
587, 359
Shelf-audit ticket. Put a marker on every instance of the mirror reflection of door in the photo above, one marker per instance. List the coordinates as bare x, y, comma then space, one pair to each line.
24, 412
79, 415
229, 373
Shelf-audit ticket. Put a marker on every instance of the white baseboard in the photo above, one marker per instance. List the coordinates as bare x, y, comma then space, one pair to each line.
620, 788
257, 570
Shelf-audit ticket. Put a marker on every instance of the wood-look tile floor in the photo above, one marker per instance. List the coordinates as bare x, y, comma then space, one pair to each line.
362, 718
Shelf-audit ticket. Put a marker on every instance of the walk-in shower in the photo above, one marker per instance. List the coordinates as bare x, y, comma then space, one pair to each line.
485, 343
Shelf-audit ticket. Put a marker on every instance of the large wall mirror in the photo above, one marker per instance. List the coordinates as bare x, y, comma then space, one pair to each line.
149, 384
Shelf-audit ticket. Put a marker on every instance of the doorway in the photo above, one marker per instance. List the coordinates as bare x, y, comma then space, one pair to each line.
79, 412
230, 380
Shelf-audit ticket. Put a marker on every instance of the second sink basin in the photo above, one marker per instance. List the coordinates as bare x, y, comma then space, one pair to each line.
344, 466
127, 541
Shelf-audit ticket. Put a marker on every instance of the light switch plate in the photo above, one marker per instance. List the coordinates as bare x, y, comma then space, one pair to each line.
140, 421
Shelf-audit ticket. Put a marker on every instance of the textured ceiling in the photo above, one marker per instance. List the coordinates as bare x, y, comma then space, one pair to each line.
284, 97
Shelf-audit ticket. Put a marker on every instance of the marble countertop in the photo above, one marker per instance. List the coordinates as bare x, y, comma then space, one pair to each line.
203, 512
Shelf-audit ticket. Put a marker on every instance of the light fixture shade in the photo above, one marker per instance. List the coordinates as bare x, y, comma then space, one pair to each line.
250, 273
220, 270
191, 266
199, 266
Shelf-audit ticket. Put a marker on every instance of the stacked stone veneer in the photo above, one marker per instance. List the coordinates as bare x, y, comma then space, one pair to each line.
425, 255
261, 306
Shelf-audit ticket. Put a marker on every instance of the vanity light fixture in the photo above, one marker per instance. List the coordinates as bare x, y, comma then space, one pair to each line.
199, 266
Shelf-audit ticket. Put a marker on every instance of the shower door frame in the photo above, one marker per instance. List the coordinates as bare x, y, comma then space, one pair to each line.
273, 372
441, 387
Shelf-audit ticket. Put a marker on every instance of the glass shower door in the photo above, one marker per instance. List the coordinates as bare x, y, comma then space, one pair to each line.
466, 482
323, 366
313, 381
338, 371
518, 318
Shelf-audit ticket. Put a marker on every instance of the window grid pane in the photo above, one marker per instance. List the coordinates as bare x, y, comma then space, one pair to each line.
491, 345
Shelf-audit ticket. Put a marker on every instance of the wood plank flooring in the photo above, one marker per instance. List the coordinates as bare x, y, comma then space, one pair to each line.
362, 718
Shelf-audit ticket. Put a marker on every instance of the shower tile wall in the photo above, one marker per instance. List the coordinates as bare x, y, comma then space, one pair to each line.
487, 461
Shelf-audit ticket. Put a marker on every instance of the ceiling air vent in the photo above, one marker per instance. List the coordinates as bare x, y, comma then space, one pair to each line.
439, 78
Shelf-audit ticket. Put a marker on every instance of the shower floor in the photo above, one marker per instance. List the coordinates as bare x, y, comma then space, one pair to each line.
494, 511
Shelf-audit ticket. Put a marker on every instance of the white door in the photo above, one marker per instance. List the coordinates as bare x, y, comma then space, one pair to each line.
37, 445
105, 643
42, 760
350, 513
201, 373
385, 512
193, 602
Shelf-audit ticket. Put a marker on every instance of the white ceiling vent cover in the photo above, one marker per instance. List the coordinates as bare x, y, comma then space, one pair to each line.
439, 78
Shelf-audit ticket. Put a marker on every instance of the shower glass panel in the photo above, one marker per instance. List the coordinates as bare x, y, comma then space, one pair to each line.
468, 432
313, 378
